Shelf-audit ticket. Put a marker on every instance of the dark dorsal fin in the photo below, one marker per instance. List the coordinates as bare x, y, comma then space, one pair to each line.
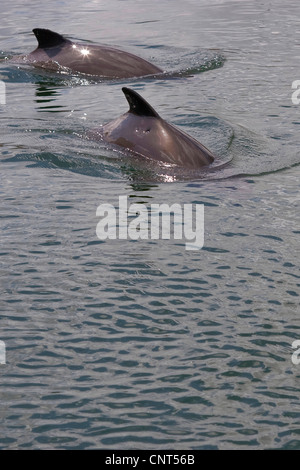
47, 38
137, 104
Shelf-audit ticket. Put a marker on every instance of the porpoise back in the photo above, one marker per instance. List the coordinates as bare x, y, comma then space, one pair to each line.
55, 50
142, 131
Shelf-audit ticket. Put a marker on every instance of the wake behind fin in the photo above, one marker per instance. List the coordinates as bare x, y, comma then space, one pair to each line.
47, 38
137, 104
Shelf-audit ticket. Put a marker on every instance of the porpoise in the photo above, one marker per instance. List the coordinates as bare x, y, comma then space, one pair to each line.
142, 131
55, 51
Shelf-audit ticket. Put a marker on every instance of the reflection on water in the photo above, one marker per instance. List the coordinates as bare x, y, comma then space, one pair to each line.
47, 93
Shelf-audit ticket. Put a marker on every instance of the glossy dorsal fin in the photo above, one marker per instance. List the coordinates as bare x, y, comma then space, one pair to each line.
137, 104
47, 38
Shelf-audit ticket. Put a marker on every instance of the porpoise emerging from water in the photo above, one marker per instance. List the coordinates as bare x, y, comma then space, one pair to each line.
55, 51
142, 131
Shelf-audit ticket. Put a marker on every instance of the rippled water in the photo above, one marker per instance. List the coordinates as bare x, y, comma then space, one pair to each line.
141, 343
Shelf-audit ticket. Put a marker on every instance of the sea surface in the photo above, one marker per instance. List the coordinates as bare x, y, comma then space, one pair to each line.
145, 344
